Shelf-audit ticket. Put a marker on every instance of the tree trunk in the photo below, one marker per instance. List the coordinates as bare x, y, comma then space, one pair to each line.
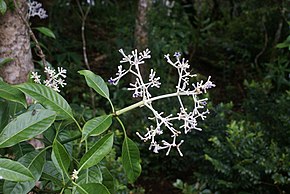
15, 43
141, 28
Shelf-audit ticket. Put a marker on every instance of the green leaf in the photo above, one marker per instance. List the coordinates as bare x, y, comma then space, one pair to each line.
131, 159
3, 7
90, 175
47, 32
12, 94
4, 114
108, 180
90, 188
34, 161
26, 126
96, 126
51, 174
60, 158
3, 61
48, 98
96, 82
14, 171
97, 152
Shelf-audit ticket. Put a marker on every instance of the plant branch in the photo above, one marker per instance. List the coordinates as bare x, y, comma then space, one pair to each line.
83, 19
40, 52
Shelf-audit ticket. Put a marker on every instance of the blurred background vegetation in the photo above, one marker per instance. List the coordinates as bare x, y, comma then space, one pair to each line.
243, 44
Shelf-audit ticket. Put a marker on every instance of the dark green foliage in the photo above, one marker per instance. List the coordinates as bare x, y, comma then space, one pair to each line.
245, 143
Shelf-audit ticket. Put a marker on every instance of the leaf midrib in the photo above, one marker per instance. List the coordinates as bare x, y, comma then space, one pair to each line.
34, 123
66, 111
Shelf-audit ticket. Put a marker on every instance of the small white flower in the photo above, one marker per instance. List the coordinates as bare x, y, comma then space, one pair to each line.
36, 77
53, 80
35, 9
187, 116
75, 175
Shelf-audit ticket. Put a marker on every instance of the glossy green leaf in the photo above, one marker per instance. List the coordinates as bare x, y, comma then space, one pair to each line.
26, 126
60, 158
90, 175
3, 7
131, 160
96, 82
48, 98
52, 174
34, 161
14, 171
97, 152
46, 31
3, 61
10, 93
96, 126
90, 188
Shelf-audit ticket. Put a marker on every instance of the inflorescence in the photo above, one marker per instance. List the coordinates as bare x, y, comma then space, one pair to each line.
187, 115
53, 80
35, 9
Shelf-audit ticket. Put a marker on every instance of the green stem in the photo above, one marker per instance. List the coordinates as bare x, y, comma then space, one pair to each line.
122, 125
77, 123
141, 103
71, 139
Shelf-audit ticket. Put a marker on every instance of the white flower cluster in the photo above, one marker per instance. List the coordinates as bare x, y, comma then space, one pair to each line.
188, 116
54, 79
35, 9
91, 2
74, 175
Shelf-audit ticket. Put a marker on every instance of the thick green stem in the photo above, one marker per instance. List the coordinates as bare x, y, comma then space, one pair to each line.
141, 103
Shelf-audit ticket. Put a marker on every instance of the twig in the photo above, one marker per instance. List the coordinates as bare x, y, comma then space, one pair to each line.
83, 19
265, 43
40, 52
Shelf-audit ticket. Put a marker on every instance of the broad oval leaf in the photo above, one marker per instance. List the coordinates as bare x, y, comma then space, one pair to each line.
60, 158
10, 93
97, 152
90, 188
96, 82
14, 171
46, 31
48, 98
96, 126
131, 159
34, 161
26, 126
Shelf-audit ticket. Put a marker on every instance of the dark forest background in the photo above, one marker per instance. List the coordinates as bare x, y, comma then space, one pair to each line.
242, 44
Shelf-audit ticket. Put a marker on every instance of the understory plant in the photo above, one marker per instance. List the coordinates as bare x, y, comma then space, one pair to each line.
65, 161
